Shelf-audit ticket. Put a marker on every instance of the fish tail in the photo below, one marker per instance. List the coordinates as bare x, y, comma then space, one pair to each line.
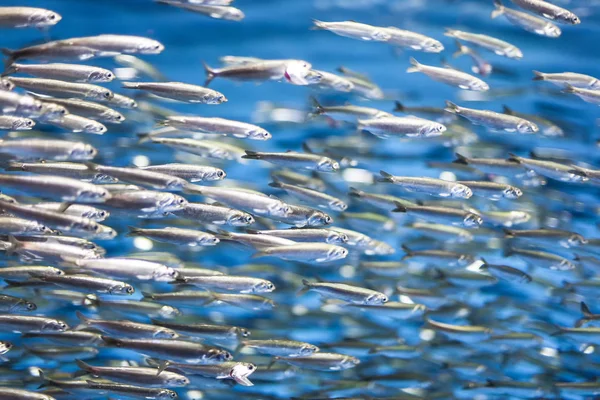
580, 322
318, 25
569, 89
147, 295
305, 288
508, 233
399, 208
507, 110
10, 54
499, 9
585, 309
317, 107
415, 66
133, 231
385, 177
111, 341
451, 107
259, 254
353, 192
84, 366
514, 158
130, 85
399, 107
460, 159
406, 250
276, 184
14, 245
462, 49
210, 74
539, 76
10, 69
85, 320
252, 155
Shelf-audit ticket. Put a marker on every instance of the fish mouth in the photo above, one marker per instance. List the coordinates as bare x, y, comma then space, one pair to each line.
240, 373
287, 76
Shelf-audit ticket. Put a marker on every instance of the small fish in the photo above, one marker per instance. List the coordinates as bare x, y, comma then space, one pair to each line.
76, 210
63, 89
237, 371
330, 236
19, 226
9, 122
86, 109
116, 44
149, 377
433, 255
21, 394
11, 304
239, 284
207, 331
76, 123
547, 127
540, 258
566, 239
127, 329
493, 120
506, 273
67, 169
481, 66
311, 196
67, 72
149, 203
355, 30
73, 338
322, 361
249, 302
217, 12
28, 17
131, 390
29, 323
413, 40
51, 51
383, 201
490, 43
461, 332
493, 190
140, 66
179, 236
386, 127
254, 240
551, 169
179, 91
344, 292
330, 81
563, 79
306, 252
20, 105
155, 180
47, 149
203, 148
296, 160
347, 112
215, 214
443, 232
260, 70
281, 347
587, 95
431, 186
66, 189
453, 216
218, 126
548, 10
189, 172
28, 271
449, 76
527, 21
128, 268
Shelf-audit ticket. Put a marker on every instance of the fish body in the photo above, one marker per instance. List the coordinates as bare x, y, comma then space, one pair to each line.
449, 76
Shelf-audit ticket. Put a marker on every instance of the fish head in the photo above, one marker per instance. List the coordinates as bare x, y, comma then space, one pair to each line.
5, 84
113, 116
214, 97
334, 237
512, 192
53, 111
527, 127
122, 289
105, 232
34, 109
95, 127
44, 18
472, 220
326, 164
376, 298
168, 312
432, 46
336, 253
569, 17
83, 151
552, 30
239, 218
307, 350
165, 274
513, 52
54, 325
349, 362
461, 191
479, 85
96, 214
5, 347
24, 306
97, 194
219, 355
259, 134
23, 124
240, 373
177, 381
171, 202
243, 332
101, 76
216, 174
432, 129
263, 287
150, 47
338, 205
576, 240
165, 333
319, 218
232, 14
166, 394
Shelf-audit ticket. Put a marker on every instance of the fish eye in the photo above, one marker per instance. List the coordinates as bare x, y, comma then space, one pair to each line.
328, 219
129, 289
107, 94
109, 75
59, 272
220, 174
250, 367
181, 200
52, 16
249, 219
31, 306
173, 395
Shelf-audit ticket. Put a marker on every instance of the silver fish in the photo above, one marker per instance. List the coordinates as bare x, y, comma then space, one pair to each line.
306, 252
281, 347
30, 323
449, 76
128, 329
218, 12
215, 214
89, 283
493, 190
148, 202
498, 46
203, 148
62, 89
116, 44
219, 126
347, 293
413, 40
453, 216
155, 180
481, 66
548, 10
493, 120
66, 169
67, 72
67, 189
188, 237
296, 160
179, 91
323, 361
207, 331
127, 268
354, 30
148, 377
28, 17
76, 123
87, 109
189, 172
19, 105
431, 186
9, 122
311, 196
529, 22
563, 79
587, 95
330, 236
254, 240
259, 70
239, 284
551, 169
47, 149
386, 127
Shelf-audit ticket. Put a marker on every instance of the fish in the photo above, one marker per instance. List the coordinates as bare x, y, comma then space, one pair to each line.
116, 44
30, 323
310, 196
563, 79
297, 160
413, 40
8, 122
449, 76
238, 371
490, 43
354, 30
66, 189
329, 236
89, 283
76, 123
453, 216
252, 239
493, 120
188, 237
281, 347
60, 71
62, 89
19, 105
347, 112
551, 169
587, 95
155, 180
215, 214
566, 239
86, 109
261, 70
527, 21
218, 126
189, 172
386, 127
322, 361
431, 186
344, 292
548, 10
48, 149
28, 17
212, 11
211, 332
149, 377
179, 91
306, 252
203, 148
148, 203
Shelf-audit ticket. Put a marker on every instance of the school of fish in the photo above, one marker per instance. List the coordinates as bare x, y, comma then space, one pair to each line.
394, 251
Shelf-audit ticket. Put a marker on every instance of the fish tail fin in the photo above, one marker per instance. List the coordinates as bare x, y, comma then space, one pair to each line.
10, 69
580, 322
133, 231
569, 89
385, 177
317, 107
210, 74
111, 341
399, 208
460, 159
399, 107
130, 85
14, 245
507, 110
252, 155
143, 137
147, 295
451, 107
415, 66
354, 192
85, 320
10, 54
305, 288
508, 233
260, 254
276, 184
318, 25
461, 49
499, 9
84, 366
585, 309
539, 76
406, 249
